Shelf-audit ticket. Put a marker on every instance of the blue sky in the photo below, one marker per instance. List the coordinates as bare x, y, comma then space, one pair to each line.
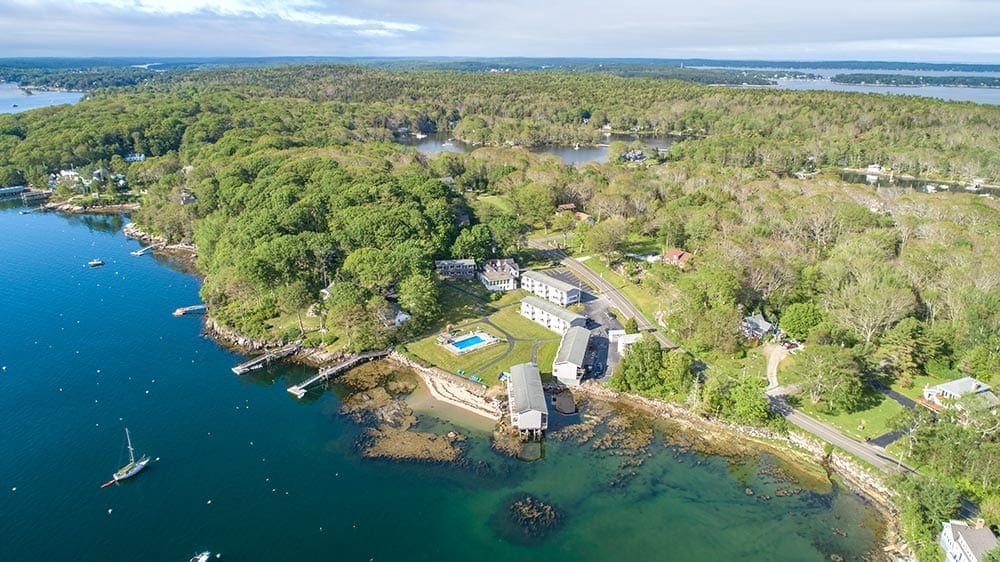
926, 30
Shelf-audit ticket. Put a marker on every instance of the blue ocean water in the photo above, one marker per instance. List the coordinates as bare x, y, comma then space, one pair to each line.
244, 469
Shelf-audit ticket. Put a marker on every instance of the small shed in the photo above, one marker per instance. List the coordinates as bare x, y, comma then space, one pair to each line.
529, 412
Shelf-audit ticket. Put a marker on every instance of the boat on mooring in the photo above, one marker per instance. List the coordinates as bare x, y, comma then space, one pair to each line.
132, 468
97, 262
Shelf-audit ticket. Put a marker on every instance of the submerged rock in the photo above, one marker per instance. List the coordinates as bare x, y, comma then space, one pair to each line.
533, 518
399, 444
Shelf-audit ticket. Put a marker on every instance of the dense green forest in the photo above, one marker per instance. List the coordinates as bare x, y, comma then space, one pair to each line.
295, 186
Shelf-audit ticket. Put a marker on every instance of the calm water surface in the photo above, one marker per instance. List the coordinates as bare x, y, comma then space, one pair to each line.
244, 469
441, 142
14, 100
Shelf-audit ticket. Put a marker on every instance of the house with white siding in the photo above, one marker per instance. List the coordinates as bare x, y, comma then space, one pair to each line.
945, 395
553, 317
550, 288
962, 543
500, 275
529, 411
571, 358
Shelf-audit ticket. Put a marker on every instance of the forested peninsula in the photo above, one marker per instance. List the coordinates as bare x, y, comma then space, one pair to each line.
311, 221
912, 80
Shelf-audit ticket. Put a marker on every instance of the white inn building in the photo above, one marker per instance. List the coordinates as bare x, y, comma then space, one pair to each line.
568, 366
500, 275
550, 288
555, 318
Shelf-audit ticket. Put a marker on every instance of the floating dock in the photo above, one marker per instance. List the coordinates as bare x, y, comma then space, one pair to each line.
144, 251
261, 361
299, 390
193, 309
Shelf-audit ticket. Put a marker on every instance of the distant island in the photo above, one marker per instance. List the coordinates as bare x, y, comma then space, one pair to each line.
912, 80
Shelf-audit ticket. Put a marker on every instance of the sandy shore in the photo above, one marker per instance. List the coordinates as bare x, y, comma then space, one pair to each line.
453, 390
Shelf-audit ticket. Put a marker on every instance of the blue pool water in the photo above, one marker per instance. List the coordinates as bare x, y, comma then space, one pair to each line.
468, 342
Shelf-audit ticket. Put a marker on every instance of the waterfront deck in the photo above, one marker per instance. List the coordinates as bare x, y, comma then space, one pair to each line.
299, 390
193, 309
150, 248
261, 361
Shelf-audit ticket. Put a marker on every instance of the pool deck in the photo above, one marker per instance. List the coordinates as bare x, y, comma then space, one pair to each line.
487, 340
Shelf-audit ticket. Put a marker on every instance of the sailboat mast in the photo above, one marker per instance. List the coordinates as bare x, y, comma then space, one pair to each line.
131, 454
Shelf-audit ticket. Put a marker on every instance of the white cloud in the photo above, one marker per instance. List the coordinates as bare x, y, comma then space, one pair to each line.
293, 11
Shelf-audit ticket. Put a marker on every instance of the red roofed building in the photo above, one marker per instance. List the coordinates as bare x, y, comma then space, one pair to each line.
676, 256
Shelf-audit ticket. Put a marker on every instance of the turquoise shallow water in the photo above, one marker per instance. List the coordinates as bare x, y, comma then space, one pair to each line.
247, 470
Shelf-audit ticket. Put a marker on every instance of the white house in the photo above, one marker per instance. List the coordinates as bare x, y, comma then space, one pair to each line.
568, 366
941, 396
550, 288
456, 269
625, 341
529, 412
553, 317
962, 543
500, 275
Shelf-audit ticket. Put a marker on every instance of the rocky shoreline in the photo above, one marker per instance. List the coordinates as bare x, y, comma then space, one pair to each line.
69, 207
796, 446
474, 398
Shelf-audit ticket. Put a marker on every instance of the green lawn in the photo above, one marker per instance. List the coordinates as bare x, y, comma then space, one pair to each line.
496, 201
640, 297
519, 327
917, 389
429, 351
546, 355
642, 245
872, 421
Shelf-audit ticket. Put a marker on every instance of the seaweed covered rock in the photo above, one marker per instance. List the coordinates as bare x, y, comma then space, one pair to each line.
533, 517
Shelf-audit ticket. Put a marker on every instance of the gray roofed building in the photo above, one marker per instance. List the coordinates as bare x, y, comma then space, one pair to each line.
529, 410
962, 543
552, 316
456, 269
548, 287
755, 327
571, 357
945, 394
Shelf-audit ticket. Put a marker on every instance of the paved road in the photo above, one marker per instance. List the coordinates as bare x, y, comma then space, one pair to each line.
608, 290
868, 452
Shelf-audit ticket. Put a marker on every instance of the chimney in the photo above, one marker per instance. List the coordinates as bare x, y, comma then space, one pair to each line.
980, 523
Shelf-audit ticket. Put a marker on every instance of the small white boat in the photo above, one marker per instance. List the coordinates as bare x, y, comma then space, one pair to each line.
420, 136
201, 557
96, 262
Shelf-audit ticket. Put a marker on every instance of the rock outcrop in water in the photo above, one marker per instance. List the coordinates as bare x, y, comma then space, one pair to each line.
533, 517
375, 402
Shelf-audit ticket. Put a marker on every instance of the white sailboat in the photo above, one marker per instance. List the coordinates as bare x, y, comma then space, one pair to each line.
132, 468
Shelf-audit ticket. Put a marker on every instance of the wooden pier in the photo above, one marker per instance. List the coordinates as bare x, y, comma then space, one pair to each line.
143, 251
261, 361
299, 390
193, 309
35, 195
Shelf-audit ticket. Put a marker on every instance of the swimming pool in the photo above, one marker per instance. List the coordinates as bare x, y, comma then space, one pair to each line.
467, 342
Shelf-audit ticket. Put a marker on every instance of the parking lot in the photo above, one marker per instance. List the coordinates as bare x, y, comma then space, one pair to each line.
602, 356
